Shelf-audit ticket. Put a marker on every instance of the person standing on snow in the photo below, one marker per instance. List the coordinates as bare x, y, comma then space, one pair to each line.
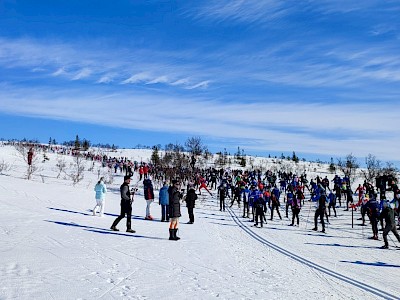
222, 193
101, 190
174, 209
260, 209
148, 196
190, 199
164, 202
126, 206
320, 212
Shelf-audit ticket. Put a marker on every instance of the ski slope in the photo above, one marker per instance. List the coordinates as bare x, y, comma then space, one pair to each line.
52, 247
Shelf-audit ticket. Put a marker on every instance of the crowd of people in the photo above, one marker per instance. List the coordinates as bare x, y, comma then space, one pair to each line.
256, 193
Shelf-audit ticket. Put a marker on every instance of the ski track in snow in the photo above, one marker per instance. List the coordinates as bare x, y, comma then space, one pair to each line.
373, 290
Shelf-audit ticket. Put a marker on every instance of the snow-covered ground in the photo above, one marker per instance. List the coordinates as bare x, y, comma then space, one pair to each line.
53, 248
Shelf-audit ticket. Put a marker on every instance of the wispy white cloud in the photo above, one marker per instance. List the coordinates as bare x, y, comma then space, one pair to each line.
309, 127
60, 71
84, 73
249, 11
203, 84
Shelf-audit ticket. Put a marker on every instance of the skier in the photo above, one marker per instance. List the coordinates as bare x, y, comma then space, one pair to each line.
245, 197
332, 203
296, 207
275, 205
222, 193
372, 209
320, 213
390, 224
101, 190
260, 208
126, 206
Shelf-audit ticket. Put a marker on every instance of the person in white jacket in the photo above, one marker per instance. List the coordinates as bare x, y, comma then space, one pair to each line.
101, 190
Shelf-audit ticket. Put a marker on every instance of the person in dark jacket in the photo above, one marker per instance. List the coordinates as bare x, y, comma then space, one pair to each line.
296, 207
126, 206
222, 193
260, 208
191, 198
275, 205
320, 212
174, 209
390, 225
372, 209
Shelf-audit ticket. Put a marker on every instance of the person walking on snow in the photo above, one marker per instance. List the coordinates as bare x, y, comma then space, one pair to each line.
126, 206
101, 190
390, 225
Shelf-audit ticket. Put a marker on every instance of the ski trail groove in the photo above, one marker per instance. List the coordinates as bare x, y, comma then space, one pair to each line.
363, 286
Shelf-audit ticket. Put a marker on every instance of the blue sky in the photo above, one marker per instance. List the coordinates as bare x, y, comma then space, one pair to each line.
318, 77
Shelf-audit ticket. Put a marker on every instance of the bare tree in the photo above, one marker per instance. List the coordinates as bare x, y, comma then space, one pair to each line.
29, 156
77, 169
4, 166
61, 166
195, 146
349, 166
374, 168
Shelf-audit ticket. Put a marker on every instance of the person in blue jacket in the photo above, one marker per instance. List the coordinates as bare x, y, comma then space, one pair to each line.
163, 200
101, 190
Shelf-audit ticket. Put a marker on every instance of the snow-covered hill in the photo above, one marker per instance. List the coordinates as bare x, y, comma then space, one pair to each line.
53, 248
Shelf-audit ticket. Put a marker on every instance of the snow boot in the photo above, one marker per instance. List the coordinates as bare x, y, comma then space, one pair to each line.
171, 234
130, 230
175, 236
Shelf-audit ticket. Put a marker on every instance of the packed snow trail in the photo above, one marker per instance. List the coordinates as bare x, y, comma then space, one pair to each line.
373, 290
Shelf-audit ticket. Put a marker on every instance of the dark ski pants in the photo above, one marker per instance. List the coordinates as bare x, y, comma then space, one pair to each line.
126, 208
222, 204
277, 210
191, 214
319, 213
164, 212
245, 208
295, 215
259, 215
386, 231
333, 205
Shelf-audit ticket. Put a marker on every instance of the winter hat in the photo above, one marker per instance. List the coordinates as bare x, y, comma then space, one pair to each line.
127, 177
